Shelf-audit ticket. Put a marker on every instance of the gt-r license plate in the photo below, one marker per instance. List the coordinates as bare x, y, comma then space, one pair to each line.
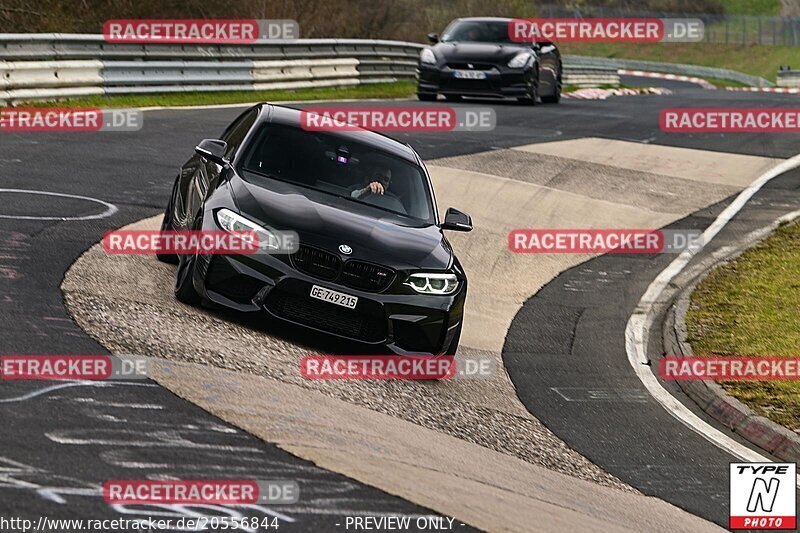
469, 74
334, 297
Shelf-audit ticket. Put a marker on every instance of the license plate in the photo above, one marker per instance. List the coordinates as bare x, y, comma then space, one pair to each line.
469, 74
338, 298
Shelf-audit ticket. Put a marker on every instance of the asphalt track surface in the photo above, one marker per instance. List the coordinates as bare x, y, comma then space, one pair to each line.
58, 446
565, 353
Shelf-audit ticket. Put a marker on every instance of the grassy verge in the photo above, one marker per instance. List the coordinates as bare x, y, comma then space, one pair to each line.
751, 307
766, 8
757, 60
399, 89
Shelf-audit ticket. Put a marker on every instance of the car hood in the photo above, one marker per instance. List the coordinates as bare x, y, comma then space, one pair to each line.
477, 52
327, 221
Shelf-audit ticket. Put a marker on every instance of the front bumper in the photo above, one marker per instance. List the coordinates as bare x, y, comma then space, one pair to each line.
403, 323
499, 82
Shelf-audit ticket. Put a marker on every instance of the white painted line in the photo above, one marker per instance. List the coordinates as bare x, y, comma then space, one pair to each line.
71, 383
47, 390
110, 208
638, 329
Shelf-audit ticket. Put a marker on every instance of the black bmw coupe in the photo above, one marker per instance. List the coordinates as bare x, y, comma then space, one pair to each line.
372, 265
476, 57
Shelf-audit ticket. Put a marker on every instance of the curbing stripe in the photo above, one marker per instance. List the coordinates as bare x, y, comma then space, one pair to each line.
637, 331
675, 77
764, 433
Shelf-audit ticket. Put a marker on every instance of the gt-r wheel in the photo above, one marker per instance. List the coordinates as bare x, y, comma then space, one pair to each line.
184, 288
533, 95
426, 97
166, 225
553, 98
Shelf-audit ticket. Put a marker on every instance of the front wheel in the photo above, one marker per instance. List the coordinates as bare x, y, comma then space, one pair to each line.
166, 225
555, 97
184, 286
532, 97
426, 97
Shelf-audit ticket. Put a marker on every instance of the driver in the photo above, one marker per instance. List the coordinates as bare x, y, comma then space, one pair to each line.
473, 34
377, 183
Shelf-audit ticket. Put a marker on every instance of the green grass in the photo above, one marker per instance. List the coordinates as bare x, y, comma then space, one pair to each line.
399, 89
765, 8
751, 307
757, 60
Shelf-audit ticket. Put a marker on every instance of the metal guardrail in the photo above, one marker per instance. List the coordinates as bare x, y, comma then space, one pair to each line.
669, 68
589, 76
789, 78
53, 66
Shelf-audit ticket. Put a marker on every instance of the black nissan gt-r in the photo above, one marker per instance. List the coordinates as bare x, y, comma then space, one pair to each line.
476, 57
372, 265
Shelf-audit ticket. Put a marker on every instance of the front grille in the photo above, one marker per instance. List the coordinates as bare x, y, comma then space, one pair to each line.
354, 273
475, 66
366, 327
366, 276
316, 262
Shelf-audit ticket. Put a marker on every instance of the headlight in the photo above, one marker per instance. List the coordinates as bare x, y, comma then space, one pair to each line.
519, 60
426, 56
230, 221
433, 283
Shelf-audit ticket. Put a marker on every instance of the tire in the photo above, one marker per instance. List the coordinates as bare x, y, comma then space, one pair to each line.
533, 96
426, 97
184, 287
453, 97
166, 225
554, 98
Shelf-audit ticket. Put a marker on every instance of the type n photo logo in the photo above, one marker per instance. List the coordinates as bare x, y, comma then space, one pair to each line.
763, 496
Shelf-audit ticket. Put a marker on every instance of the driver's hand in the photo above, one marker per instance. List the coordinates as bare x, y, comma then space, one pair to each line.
376, 187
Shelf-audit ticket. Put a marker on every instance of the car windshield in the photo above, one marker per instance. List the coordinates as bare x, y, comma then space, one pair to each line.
341, 167
477, 31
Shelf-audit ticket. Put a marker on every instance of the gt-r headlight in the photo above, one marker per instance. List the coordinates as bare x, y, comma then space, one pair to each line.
230, 221
427, 56
432, 283
520, 60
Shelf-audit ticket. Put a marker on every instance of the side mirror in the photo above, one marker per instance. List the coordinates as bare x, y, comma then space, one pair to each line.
213, 150
433, 38
456, 220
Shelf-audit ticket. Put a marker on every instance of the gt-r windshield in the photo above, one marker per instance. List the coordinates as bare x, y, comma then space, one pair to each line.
338, 166
477, 31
